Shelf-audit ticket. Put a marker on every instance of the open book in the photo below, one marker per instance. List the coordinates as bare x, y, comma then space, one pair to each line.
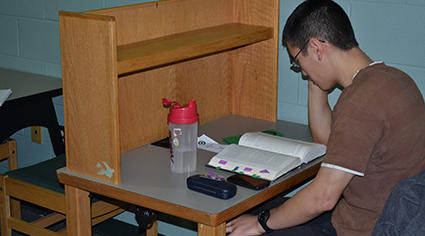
266, 156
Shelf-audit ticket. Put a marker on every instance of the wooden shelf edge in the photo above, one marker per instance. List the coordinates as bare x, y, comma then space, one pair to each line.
183, 46
86, 16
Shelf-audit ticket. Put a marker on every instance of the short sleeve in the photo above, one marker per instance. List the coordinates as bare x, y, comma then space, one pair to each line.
355, 130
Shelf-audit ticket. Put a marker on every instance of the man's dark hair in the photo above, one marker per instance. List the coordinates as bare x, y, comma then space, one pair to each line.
323, 19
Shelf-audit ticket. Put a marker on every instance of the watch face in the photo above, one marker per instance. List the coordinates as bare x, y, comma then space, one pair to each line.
264, 215
261, 216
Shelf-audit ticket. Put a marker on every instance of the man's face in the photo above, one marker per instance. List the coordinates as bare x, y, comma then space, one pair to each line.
312, 66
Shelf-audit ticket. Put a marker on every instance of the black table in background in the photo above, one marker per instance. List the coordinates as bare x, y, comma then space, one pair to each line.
30, 104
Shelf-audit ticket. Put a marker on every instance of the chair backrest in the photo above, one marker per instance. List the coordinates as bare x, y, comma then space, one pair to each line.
404, 211
8, 151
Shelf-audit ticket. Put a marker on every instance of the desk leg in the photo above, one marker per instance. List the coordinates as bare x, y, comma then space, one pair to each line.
153, 231
219, 230
78, 215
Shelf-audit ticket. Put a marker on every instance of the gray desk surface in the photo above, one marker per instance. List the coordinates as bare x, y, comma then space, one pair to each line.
146, 170
25, 84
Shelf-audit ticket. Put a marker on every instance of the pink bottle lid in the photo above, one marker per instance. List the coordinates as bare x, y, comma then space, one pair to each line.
181, 114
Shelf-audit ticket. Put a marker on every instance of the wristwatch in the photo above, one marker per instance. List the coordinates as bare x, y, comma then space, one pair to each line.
262, 219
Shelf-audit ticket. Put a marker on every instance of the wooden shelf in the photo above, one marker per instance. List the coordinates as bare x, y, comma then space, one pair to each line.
183, 46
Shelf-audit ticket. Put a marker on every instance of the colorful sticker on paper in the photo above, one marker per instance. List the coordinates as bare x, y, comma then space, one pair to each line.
222, 162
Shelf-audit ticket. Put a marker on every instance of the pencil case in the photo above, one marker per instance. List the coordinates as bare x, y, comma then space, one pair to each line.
216, 188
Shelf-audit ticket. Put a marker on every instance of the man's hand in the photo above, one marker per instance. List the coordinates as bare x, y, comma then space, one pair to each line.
316, 198
319, 113
244, 225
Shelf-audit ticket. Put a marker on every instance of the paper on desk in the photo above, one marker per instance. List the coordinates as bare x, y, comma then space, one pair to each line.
4, 94
207, 143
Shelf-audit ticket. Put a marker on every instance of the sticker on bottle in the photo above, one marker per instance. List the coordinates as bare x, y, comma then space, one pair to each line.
176, 141
177, 132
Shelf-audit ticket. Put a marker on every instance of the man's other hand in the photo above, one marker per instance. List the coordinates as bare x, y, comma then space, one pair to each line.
246, 225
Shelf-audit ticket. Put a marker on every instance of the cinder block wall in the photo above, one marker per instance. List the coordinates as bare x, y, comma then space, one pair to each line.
389, 30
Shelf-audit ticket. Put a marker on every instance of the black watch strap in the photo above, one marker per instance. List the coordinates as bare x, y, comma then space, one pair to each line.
263, 217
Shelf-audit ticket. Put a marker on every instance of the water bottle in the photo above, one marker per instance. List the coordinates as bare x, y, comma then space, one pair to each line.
183, 125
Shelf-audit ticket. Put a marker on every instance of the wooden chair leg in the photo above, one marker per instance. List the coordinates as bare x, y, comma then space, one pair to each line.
5, 209
15, 205
13, 156
15, 208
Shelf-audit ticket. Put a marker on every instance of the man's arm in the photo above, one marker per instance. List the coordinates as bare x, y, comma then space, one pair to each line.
319, 114
316, 198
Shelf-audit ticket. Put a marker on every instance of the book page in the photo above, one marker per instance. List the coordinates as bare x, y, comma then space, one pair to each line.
4, 94
254, 162
305, 150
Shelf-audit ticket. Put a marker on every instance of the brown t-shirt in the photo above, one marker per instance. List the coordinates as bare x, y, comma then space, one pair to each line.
378, 131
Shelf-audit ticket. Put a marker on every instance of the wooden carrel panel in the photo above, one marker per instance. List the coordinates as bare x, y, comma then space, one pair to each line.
143, 119
255, 78
90, 90
106, 115
156, 19
207, 81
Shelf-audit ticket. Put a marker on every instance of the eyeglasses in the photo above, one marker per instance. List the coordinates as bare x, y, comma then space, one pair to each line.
294, 64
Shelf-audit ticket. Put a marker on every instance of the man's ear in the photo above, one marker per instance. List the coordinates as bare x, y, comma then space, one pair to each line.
319, 47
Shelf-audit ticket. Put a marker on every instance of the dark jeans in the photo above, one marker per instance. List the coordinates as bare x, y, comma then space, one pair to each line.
404, 211
320, 225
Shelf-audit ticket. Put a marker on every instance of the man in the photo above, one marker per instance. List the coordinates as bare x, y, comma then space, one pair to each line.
375, 134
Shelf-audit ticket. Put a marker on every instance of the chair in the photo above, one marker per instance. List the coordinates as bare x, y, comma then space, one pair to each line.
38, 185
8, 152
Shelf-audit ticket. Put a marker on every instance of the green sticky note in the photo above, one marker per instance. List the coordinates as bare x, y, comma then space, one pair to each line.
232, 139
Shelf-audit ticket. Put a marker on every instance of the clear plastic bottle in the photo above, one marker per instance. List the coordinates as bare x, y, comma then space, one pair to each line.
183, 124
